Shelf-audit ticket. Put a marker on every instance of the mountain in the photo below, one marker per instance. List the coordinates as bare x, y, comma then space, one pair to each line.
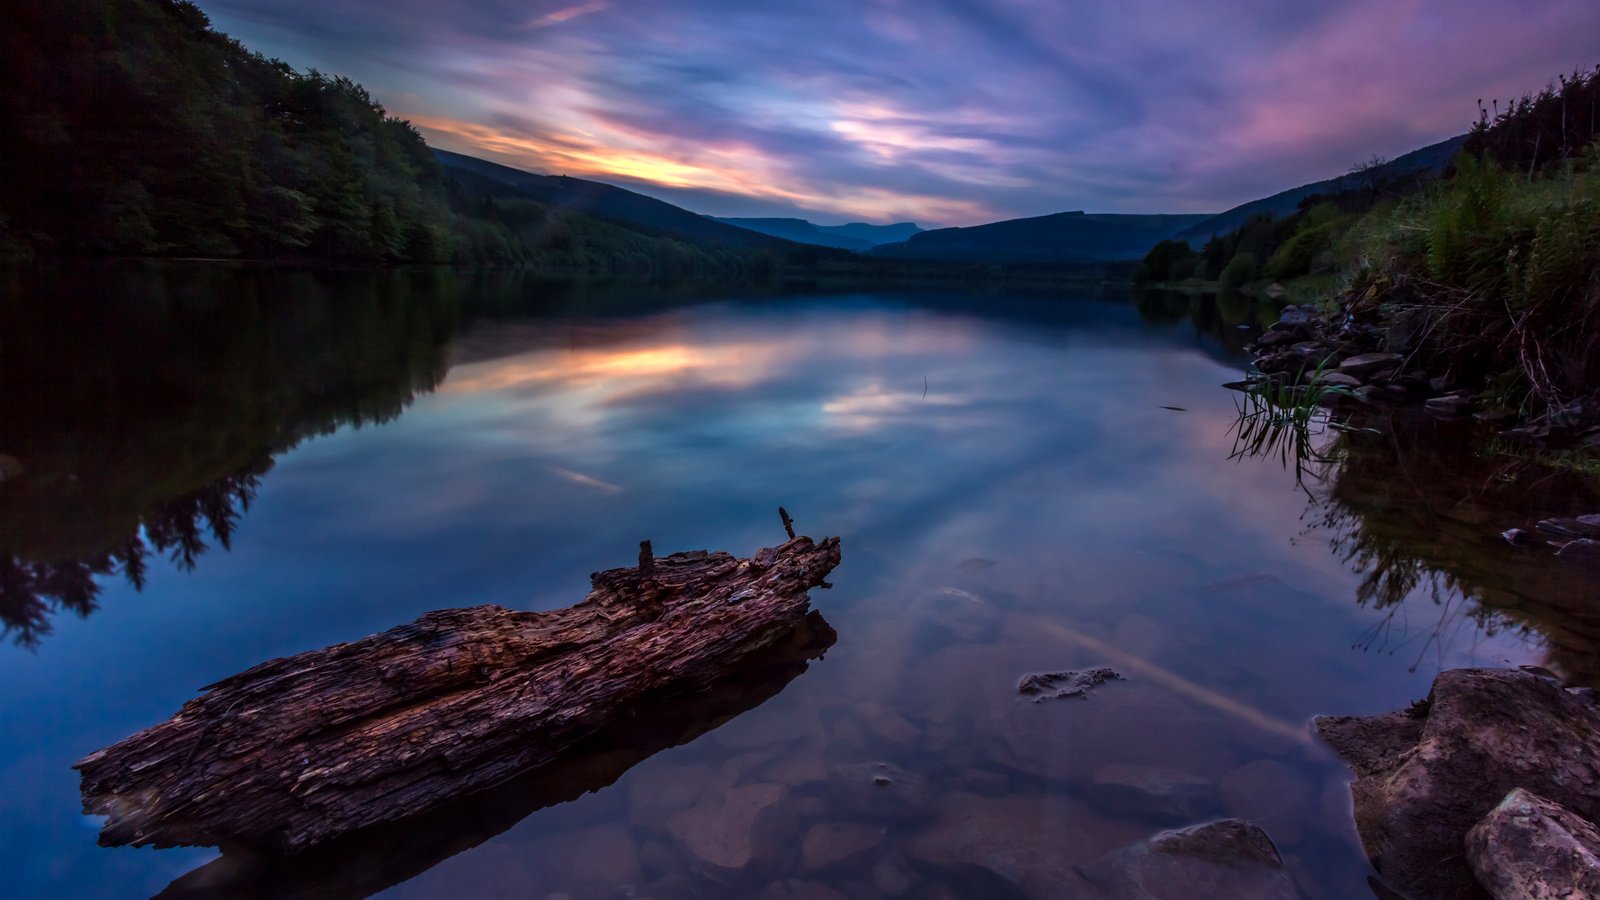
1427, 162
1069, 237
612, 204
857, 236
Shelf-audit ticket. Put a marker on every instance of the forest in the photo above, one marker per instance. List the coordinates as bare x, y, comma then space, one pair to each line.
145, 132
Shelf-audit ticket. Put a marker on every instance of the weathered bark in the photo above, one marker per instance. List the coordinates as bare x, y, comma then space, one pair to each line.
301, 750
366, 862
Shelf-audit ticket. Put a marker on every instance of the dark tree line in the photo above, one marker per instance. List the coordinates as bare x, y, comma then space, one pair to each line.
134, 128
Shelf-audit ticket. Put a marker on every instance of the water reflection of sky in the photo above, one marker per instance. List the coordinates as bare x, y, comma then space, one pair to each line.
1015, 454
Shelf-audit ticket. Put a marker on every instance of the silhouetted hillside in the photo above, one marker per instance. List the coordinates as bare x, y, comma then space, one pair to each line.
613, 204
1428, 162
1069, 237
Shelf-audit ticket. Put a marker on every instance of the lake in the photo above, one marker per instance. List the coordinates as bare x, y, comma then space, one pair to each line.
209, 467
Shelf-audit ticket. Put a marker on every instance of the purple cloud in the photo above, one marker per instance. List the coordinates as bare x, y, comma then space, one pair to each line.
943, 111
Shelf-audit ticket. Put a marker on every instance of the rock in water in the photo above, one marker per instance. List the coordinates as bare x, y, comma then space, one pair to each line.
1229, 859
1528, 848
1426, 775
305, 749
736, 834
1073, 683
1156, 793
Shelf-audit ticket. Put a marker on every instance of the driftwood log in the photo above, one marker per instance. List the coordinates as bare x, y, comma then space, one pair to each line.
366, 862
301, 750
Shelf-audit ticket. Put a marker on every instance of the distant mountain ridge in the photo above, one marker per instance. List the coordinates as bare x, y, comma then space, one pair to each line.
1068, 237
613, 204
856, 236
1430, 160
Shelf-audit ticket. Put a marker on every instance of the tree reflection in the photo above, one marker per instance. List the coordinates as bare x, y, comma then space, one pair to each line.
140, 408
1413, 511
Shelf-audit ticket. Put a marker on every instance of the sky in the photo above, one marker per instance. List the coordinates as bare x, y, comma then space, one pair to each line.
943, 112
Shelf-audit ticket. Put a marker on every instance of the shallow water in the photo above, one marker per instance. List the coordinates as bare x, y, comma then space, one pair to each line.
1014, 490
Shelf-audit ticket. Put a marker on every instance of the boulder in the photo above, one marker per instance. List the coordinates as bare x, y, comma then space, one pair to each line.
1154, 793
1427, 774
736, 833
1528, 848
1371, 366
1229, 859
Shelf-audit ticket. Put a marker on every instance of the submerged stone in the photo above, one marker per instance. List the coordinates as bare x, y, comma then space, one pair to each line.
1069, 684
1154, 793
1229, 858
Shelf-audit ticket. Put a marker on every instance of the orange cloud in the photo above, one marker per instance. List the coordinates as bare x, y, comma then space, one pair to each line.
733, 168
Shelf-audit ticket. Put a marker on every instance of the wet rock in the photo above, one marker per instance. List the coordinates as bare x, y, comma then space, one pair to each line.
1450, 406
839, 847
1517, 537
1292, 317
883, 791
1371, 366
1372, 395
1440, 383
1428, 774
1022, 844
1154, 793
1066, 685
1269, 792
1229, 858
1579, 527
1287, 361
737, 833
1528, 848
1276, 338
1581, 550
1339, 379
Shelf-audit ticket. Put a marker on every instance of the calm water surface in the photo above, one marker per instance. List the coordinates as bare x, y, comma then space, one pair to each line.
210, 469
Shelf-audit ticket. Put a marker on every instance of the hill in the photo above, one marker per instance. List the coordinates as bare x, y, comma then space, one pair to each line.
609, 203
1429, 161
1069, 237
856, 236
